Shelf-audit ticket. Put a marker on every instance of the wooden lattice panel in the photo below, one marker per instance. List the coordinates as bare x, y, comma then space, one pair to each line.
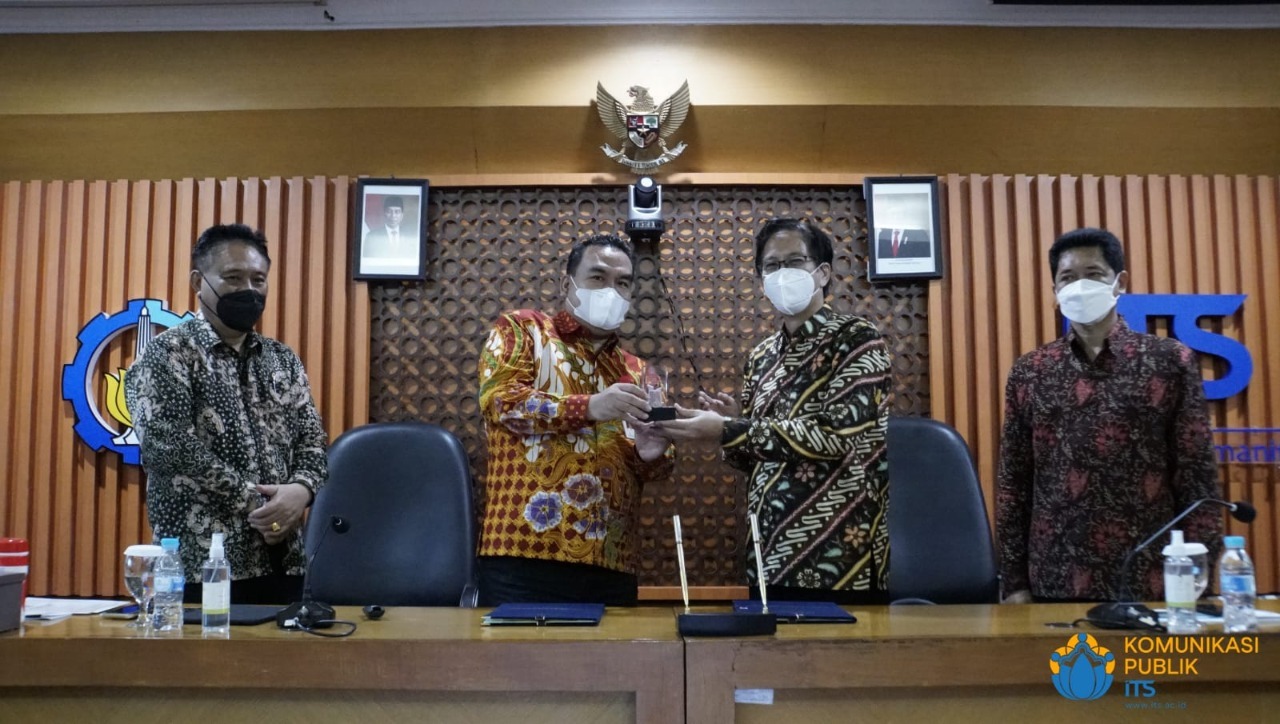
496, 249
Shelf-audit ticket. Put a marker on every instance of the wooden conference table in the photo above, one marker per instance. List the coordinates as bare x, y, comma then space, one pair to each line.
906, 663
962, 664
413, 665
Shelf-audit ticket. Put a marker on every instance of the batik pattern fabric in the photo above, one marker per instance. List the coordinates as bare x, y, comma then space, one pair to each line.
213, 423
812, 439
1096, 455
558, 486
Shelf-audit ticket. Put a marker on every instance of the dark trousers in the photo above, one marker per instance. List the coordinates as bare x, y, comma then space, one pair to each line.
507, 579
276, 588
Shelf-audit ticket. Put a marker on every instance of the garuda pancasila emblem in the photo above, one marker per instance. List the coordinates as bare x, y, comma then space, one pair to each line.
644, 124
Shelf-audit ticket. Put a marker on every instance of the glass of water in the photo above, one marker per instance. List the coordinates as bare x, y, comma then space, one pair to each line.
139, 578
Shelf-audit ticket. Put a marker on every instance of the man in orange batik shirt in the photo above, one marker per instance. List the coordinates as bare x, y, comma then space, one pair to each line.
568, 452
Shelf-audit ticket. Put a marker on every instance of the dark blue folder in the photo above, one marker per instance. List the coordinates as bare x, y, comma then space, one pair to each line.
799, 611
545, 614
242, 614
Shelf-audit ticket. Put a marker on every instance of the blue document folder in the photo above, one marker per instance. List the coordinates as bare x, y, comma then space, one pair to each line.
799, 611
545, 614
242, 614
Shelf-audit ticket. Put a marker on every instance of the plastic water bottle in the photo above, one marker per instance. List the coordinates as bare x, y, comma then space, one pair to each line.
215, 619
1180, 584
1238, 586
170, 583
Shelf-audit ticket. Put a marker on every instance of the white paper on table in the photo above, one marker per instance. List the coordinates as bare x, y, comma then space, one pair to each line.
51, 608
1264, 617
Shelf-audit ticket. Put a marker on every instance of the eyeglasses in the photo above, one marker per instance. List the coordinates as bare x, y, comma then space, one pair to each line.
795, 262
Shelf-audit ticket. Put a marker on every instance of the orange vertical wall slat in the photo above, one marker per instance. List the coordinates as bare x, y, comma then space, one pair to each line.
1182, 235
1027, 271
185, 229
64, 469
71, 251
1264, 487
1046, 226
1004, 258
132, 500
46, 377
289, 279
10, 216
84, 563
108, 544
272, 198
960, 320
27, 321
985, 293
341, 341
315, 257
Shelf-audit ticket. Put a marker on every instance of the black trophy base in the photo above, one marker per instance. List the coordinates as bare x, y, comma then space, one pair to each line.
306, 614
661, 414
727, 624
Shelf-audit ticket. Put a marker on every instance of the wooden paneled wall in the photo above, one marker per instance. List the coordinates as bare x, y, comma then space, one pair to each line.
70, 251
1182, 234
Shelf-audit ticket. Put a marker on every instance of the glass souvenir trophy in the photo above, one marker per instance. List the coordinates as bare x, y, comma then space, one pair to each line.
655, 387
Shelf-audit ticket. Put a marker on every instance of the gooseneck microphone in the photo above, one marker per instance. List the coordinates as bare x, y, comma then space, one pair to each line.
1126, 613
308, 614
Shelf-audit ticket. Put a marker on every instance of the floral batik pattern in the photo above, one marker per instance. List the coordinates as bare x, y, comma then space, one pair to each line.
558, 485
1096, 455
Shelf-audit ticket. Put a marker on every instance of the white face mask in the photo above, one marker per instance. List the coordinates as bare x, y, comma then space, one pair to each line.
790, 290
1086, 301
599, 308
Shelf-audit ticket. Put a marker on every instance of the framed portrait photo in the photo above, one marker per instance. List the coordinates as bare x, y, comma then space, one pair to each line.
389, 229
905, 228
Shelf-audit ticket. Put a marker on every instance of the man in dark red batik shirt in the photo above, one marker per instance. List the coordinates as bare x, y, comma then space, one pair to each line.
1106, 438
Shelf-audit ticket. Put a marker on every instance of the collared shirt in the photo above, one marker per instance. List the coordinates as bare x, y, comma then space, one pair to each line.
559, 487
815, 408
1096, 456
213, 423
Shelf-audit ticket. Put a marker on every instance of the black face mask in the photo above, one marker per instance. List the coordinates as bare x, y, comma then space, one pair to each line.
239, 310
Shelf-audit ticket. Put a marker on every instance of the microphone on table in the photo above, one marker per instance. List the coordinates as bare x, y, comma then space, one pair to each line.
1126, 613
308, 614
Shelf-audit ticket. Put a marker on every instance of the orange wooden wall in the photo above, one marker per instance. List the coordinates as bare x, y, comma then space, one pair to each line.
1182, 234
73, 250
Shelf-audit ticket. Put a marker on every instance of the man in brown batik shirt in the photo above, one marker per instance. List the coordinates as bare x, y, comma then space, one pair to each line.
1106, 438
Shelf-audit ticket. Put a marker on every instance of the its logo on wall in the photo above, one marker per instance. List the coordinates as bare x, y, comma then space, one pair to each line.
1083, 669
114, 431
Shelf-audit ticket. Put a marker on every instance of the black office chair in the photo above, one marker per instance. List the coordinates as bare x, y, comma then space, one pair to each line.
405, 490
940, 547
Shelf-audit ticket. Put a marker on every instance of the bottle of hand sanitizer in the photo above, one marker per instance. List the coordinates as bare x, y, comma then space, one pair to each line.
1180, 584
216, 590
